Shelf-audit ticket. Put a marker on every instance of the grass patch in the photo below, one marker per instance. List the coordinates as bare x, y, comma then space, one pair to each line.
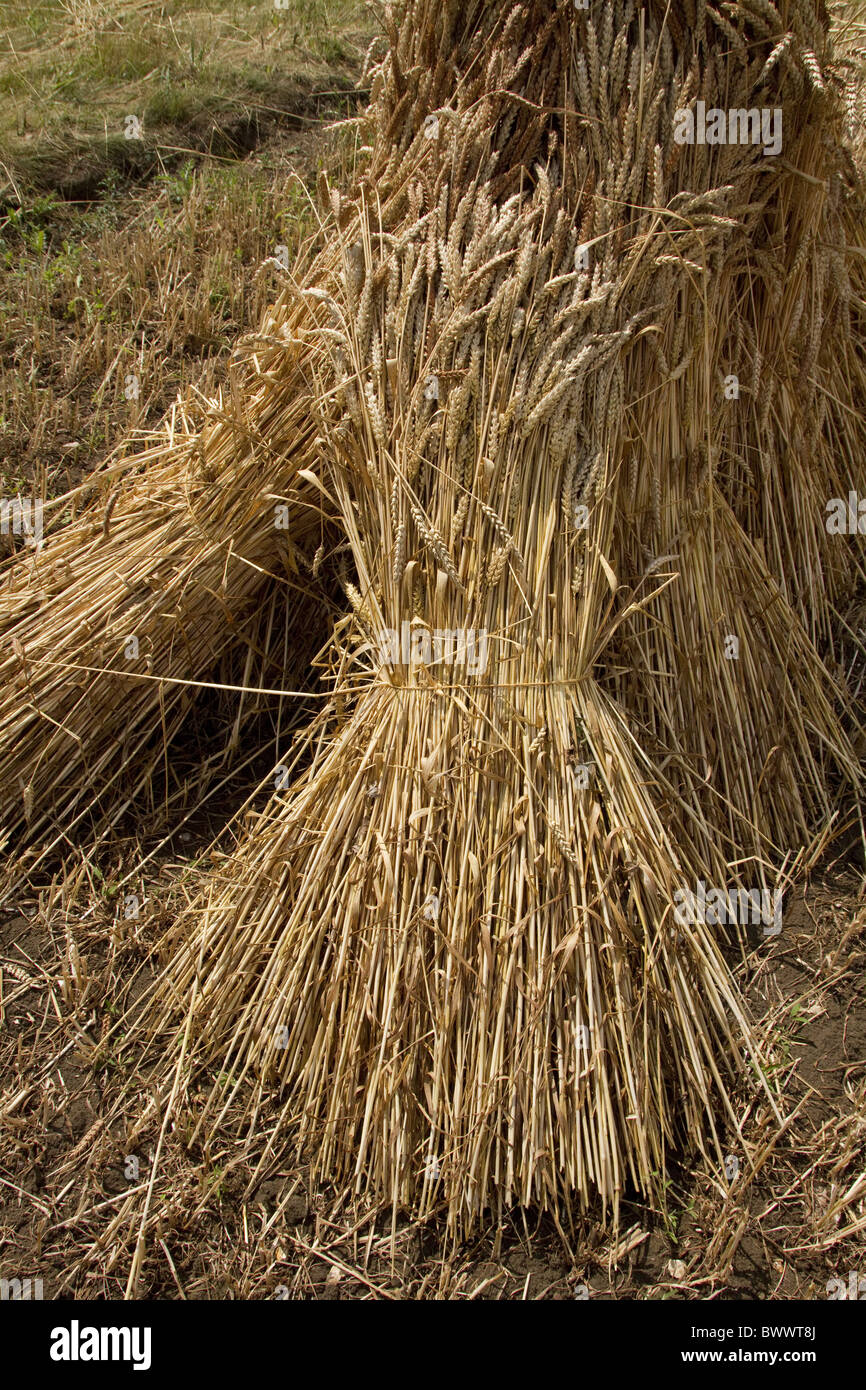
154, 283
91, 85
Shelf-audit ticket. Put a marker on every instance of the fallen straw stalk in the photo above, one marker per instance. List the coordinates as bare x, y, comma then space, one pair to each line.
176, 564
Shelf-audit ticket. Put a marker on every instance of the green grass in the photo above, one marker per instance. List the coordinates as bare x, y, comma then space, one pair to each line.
159, 280
71, 74
123, 256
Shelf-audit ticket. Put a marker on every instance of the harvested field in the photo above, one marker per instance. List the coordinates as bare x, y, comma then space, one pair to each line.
432, 743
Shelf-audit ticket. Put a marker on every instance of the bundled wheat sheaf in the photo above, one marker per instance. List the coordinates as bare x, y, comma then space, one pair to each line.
446, 950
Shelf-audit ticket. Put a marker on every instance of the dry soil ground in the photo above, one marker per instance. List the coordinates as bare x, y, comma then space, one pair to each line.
128, 258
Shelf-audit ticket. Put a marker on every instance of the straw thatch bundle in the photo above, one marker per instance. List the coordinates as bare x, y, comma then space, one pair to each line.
107, 628
451, 942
